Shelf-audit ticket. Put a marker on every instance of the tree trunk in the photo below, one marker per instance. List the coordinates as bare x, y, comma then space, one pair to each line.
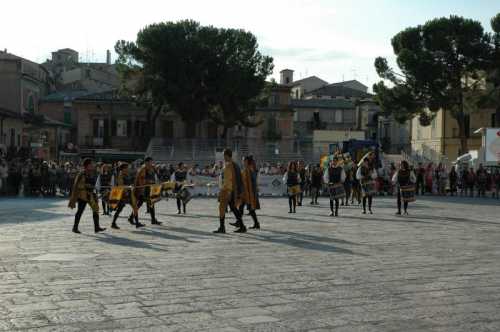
461, 133
224, 133
497, 117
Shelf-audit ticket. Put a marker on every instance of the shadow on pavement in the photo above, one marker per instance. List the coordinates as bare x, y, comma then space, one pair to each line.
461, 200
126, 242
303, 241
162, 235
192, 231
28, 210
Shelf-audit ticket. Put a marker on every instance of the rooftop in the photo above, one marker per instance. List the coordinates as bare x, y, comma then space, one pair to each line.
323, 103
339, 90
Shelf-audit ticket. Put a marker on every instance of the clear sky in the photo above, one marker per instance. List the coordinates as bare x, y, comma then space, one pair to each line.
332, 39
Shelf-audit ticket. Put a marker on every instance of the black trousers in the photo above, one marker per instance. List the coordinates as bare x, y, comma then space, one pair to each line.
81, 207
370, 200
141, 199
252, 213
292, 202
179, 204
119, 209
336, 201
314, 194
405, 204
420, 188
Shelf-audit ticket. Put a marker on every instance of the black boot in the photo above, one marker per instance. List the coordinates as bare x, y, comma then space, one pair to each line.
75, 226
97, 228
137, 223
131, 219
242, 229
114, 226
256, 224
154, 221
222, 227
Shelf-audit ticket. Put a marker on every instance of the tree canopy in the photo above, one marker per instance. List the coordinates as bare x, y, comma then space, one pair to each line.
200, 72
441, 64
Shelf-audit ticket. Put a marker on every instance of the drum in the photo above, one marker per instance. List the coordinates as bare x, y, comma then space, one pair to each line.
368, 188
294, 190
155, 193
169, 185
337, 191
408, 193
185, 195
115, 196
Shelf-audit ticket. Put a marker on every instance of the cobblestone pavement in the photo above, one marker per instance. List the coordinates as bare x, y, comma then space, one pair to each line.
435, 270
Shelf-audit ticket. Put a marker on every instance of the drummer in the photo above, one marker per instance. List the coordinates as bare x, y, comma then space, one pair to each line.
366, 175
402, 178
335, 177
124, 180
292, 181
180, 177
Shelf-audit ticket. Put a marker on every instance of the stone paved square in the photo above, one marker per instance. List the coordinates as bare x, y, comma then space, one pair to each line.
435, 270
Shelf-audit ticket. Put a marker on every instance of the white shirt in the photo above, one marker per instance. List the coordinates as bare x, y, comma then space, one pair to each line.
326, 176
360, 177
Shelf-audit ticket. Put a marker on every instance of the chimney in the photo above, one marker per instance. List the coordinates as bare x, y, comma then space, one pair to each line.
286, 76
108, 57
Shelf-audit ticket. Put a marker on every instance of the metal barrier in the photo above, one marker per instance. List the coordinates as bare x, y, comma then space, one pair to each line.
209, 150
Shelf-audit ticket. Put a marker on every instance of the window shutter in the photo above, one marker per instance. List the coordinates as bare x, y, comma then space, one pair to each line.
137, 128
129, 128
95, 127
106, 128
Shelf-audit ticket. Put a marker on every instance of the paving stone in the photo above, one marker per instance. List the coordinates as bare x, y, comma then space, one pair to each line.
436, 269
257, 319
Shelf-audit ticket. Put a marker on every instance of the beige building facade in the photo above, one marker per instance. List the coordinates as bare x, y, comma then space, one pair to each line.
440, 140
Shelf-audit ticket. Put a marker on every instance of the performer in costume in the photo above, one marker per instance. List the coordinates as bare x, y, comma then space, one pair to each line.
250, 191
335, 176
347, 184
145, 177
302, 174
231, 190
103, 187
180, 177
366, 176
403, 178
83, 194
316, 184
356, 186
292, 180
123, 179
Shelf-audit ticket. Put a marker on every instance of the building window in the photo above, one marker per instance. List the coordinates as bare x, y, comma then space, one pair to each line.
493, 120
67, 115
338, 116
31, 104
121, 128
98, 128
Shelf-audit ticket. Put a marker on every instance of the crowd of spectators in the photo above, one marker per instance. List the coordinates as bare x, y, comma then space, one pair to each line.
21, 175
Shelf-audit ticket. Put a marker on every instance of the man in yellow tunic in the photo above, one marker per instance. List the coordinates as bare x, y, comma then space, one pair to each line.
231, 190
145, 177
123, 180
83, 194
250, 192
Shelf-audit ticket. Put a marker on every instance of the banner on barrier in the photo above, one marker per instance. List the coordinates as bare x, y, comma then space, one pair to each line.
269, 185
